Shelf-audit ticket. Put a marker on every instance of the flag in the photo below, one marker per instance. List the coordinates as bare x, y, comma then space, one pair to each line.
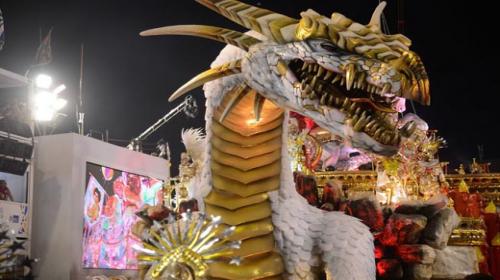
2, 34
44, 52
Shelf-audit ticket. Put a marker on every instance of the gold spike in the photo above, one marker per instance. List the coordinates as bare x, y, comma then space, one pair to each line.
223, 35
258, 105
350, 74
310, 27
240, 91
215, 73
266, 22
374, 23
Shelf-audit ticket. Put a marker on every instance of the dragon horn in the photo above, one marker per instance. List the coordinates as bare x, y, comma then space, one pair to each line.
224, 35
227, 69
374, 23
274, 26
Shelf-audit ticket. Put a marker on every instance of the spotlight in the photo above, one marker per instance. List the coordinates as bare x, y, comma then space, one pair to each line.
45, 100
43, 81
46, 104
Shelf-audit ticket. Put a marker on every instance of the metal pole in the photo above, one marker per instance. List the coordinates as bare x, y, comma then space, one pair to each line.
80, 113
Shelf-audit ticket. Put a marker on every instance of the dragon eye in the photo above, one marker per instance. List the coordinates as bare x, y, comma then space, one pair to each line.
329, 47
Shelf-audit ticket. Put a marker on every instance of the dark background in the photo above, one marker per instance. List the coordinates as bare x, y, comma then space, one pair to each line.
127, 79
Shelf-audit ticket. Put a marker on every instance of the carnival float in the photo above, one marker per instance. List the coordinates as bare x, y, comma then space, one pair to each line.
312, 167
309, 167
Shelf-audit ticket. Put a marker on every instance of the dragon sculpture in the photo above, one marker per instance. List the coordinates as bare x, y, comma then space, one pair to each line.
344, 75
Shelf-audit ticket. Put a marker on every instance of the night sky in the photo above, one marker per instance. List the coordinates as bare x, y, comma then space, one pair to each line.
127, 78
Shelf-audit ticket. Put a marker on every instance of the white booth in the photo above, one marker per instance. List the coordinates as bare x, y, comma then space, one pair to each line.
83, 202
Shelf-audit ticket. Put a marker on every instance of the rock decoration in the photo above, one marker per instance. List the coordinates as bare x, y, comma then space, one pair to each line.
403, 229
412, 243
440, 228
455, 262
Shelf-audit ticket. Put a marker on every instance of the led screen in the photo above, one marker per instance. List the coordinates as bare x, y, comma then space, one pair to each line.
112, 197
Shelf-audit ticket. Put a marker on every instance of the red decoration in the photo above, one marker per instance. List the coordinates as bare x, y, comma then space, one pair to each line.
379, 251
403, 229
494, 257
306, 186
466, 204
303, 122
389, 269
369, 212
491, 222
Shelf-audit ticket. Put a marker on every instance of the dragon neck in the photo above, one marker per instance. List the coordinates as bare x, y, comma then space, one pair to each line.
245, 165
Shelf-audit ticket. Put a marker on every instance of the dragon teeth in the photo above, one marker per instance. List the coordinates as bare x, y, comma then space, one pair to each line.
350, 75
353, 106
323, 99
328, 75
331, 100
336, 79
386, 88
314, 80
338, 101
321, 71
358, 110
369, 124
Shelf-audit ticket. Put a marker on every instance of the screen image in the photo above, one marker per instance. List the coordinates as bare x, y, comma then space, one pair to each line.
112, 197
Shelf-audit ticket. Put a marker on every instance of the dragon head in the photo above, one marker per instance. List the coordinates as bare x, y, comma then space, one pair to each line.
346, 76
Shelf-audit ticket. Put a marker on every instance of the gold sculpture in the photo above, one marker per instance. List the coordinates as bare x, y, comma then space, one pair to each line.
182, 249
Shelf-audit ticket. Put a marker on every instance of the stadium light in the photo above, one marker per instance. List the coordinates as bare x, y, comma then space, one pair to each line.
43, 81
46, 102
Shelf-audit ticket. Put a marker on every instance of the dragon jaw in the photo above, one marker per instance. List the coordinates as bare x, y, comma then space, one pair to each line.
349, 95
